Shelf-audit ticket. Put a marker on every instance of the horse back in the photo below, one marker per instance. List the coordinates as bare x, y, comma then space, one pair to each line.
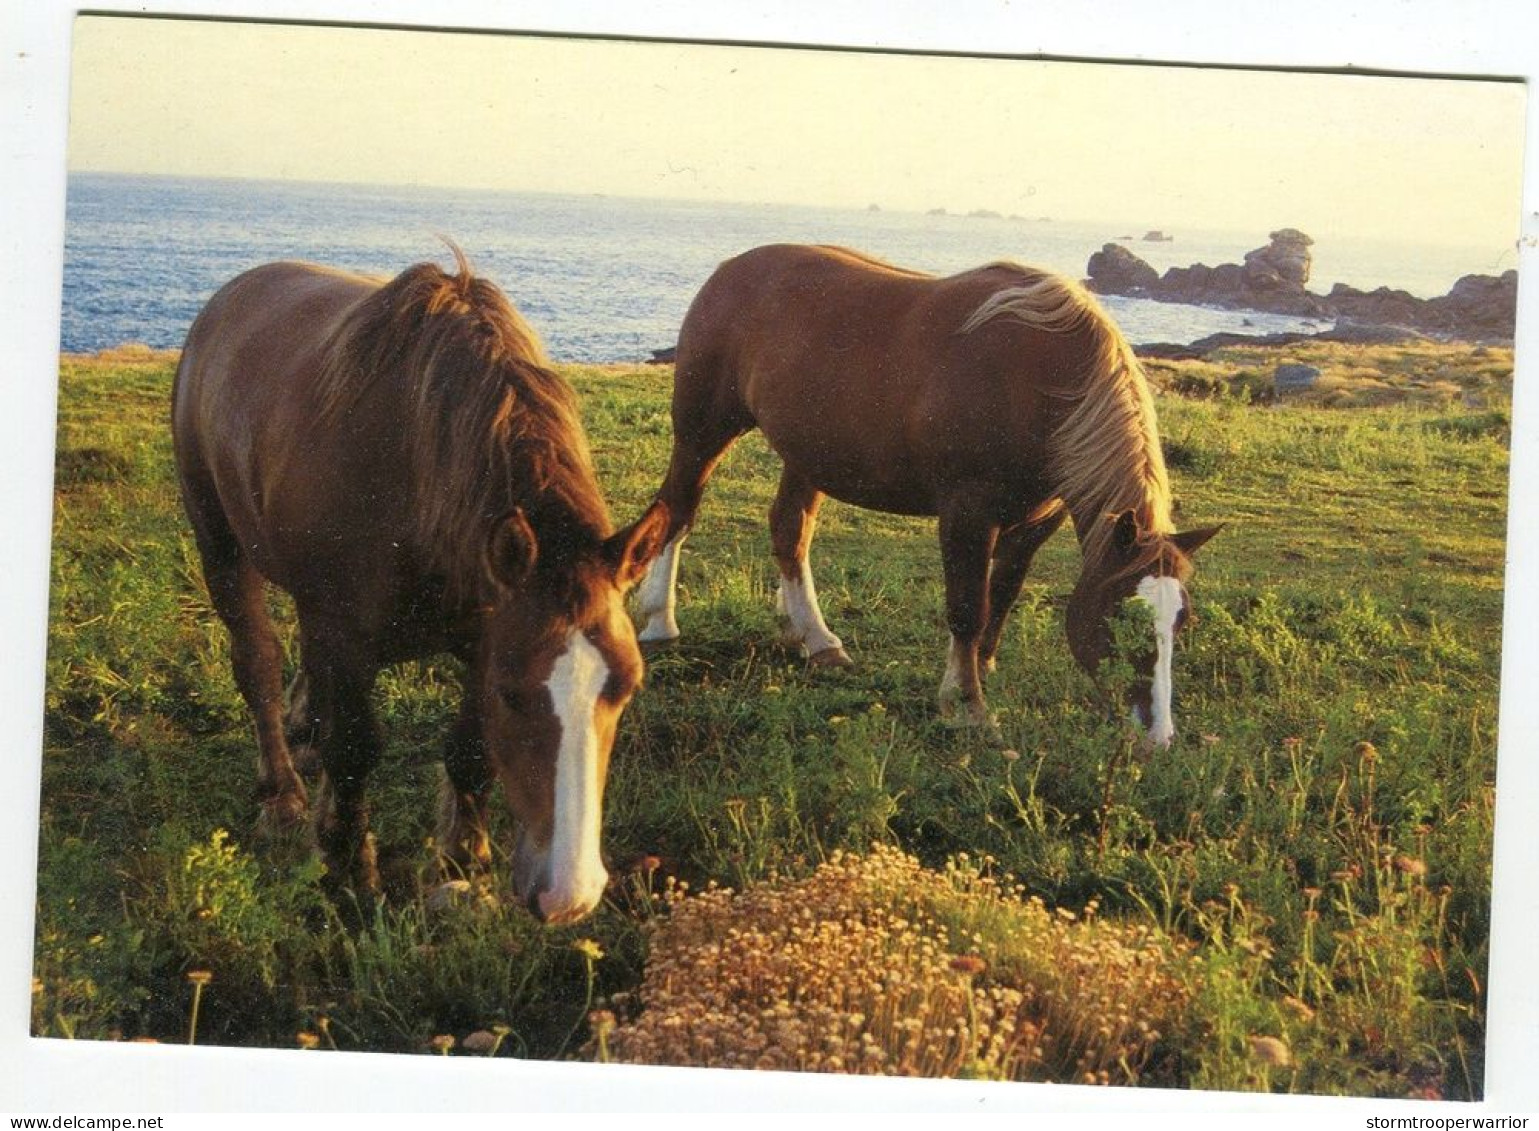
252, 448
858, 375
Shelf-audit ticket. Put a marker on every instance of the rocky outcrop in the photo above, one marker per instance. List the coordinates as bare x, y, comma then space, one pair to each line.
1281, 265
1117, 271
1273, 278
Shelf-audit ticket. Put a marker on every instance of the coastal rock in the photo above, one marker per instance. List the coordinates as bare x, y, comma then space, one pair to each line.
1282, 264
1294, 378
1484, 304
1114, 270
1273, 278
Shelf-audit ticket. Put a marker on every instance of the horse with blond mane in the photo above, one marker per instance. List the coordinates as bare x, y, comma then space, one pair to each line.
401, 459
1001, 400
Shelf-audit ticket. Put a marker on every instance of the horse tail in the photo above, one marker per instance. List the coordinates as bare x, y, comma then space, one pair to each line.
1106, 449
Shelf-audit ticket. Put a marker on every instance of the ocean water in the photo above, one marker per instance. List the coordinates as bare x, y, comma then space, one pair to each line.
600, 278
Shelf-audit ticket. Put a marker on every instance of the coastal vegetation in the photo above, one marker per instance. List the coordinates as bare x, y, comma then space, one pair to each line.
812, 871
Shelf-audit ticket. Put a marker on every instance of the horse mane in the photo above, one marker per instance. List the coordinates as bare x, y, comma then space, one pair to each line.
1106, 453
488, 425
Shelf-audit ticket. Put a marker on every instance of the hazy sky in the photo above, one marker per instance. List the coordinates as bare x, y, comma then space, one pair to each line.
1159, 147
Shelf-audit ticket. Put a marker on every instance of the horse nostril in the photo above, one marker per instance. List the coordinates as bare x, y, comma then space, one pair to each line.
535, 904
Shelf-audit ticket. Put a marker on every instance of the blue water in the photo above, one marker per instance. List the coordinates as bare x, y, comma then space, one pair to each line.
600, 278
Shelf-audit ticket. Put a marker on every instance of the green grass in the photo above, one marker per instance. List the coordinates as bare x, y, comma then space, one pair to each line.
1319, 834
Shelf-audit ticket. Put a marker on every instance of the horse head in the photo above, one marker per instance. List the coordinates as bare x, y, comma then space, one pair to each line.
1152, 569
556, 665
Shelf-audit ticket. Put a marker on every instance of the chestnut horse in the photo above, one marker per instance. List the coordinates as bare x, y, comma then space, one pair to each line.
1001, 400
399, 458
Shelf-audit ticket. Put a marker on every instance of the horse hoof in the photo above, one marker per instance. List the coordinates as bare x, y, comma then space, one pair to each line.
962, 715
282, 814
835, 657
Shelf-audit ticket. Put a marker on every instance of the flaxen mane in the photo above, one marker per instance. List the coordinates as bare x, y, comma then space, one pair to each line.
491, 427
1107, 452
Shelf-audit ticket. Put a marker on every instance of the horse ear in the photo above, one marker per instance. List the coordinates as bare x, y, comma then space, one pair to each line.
1190, 541
1125, 531
630, 551
511, 550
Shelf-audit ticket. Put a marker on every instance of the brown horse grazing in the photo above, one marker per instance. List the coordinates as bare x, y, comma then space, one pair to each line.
1001, 400
399, 458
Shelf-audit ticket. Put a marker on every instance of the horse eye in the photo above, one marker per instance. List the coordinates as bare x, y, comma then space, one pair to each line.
618, 688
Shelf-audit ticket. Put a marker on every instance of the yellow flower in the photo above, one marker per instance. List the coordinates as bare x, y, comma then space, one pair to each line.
589, 949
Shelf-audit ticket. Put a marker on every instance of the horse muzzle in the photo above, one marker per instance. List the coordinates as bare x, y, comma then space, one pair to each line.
557, 892
1156, 736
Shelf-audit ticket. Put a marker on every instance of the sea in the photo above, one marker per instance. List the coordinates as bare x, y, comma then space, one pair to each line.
607, 278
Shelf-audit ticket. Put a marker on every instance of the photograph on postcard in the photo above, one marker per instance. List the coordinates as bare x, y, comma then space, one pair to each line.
441, 660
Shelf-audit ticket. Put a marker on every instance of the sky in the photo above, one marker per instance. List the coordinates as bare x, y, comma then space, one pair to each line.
1166, 147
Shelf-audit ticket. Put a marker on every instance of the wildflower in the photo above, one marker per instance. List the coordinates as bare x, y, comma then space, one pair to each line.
589, 949
479, 1041
1270, 1051
647, 864
1304, 1011
1010, 755
441, 1044
1411, 866
200, 977
1366, 752
968, 964
307, 1039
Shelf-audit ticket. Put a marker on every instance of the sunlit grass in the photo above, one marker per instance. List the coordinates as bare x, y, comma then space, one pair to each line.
1317, 918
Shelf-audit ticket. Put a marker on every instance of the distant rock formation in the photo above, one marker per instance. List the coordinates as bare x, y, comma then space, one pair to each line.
1114, 270
1154, 235
1281, 264
1273, 278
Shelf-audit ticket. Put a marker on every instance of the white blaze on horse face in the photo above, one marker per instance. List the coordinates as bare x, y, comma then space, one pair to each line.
797, 601
656, 597
1167, 598
574, 868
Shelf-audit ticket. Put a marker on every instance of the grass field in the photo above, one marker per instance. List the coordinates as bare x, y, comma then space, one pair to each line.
1294, 897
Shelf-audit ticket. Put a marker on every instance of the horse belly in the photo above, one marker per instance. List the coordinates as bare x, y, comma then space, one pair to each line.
849, 468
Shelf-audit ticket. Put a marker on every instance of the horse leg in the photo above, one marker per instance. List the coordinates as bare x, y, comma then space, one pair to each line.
793, 517
300, 726
704, 427
350, 744
967, 539
1012, 558
463, 842
238, 595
